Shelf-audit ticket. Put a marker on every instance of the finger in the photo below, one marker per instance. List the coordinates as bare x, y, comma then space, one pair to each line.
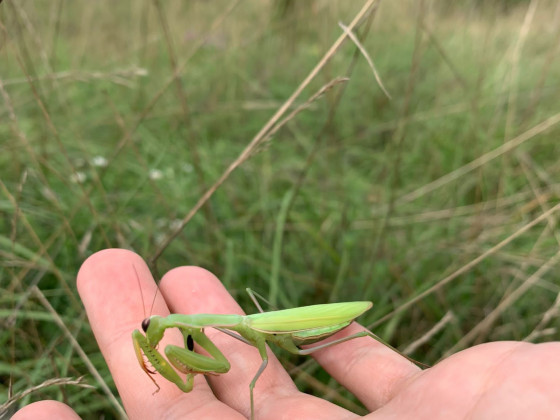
46, 410
367, 368
117, 290
192, 290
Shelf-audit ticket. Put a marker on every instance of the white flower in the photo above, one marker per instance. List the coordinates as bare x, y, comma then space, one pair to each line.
78, 177
155, 174
99, 161
187, 167
49, 194
175, 224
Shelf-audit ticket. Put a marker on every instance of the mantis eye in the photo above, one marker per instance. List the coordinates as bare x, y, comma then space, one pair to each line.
146, 324
190, 343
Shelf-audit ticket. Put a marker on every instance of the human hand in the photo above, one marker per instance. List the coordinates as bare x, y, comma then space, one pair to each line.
495, 380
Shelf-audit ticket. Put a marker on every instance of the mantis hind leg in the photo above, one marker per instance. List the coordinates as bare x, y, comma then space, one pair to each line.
310, 350
357, 335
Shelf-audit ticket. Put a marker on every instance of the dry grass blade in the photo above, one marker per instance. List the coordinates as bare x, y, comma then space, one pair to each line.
123, 77
17, 209
300, 108
356, 41
541, 199
482, 160
514, 65
49, 382
506, 303
248, 151
191, 137
468, 266
551, 313
447, 318
42, 249
18, 133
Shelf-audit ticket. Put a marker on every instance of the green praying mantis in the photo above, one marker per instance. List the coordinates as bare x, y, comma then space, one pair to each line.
288, 329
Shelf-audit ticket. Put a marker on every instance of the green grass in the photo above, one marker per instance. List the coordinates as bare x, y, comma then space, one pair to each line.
89, 161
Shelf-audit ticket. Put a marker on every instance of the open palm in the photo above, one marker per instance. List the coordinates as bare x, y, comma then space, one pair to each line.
495, 380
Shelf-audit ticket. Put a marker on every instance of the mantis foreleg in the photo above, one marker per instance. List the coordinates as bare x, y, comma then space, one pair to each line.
159, 363
186, 360
260, 344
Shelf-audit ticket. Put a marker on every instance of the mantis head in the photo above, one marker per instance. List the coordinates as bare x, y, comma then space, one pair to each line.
154, 328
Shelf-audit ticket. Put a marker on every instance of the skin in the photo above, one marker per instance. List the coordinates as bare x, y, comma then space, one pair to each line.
495, 380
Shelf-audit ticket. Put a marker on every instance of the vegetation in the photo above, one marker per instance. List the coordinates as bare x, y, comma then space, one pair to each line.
358, 196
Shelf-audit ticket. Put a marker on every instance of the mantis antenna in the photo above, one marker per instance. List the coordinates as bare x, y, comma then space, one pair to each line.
142, 294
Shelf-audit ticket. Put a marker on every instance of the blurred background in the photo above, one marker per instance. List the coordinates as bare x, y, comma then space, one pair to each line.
429, 186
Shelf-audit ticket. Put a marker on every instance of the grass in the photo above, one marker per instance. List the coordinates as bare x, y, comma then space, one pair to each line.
355, 196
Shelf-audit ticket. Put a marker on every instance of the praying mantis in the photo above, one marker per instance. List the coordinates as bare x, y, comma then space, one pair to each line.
289, 329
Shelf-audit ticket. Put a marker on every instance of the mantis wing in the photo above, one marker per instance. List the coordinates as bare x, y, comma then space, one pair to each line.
307, 317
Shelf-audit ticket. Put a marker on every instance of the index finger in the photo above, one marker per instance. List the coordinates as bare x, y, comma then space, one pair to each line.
116, 302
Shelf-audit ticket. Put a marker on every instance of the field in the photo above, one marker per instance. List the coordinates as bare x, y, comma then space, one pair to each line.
190, 133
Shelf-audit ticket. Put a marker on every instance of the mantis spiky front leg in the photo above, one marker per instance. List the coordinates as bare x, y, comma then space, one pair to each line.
183, 359
158, 362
